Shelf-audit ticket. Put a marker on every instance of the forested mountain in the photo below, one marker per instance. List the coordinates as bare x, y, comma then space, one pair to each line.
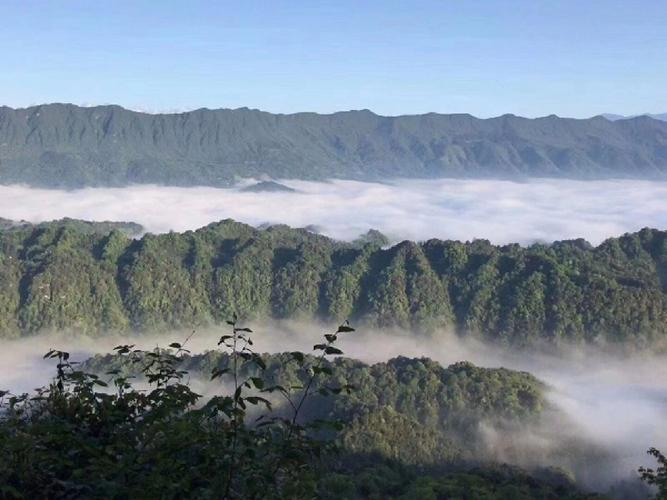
62, 145
296, 426
413, 411
56, 276
408, 423
99, 227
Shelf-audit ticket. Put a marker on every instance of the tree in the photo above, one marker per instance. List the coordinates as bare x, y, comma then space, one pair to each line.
83, 436
656, 477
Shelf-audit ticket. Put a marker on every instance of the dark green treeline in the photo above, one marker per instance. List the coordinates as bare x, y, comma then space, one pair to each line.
57, 276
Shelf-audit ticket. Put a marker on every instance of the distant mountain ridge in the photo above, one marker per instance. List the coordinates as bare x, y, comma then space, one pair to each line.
655, 116
63, 145
130, 229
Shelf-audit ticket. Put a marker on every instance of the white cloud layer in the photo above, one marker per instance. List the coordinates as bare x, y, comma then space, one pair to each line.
617, 403
501, 211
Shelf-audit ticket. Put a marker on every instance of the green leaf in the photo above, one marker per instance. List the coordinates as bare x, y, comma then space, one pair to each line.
218, 372
274, 388
256, 399
224, 337
345, 329
258, 382
260, 362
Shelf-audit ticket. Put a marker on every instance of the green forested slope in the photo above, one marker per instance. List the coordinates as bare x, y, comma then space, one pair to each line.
330, 428
62, 145
57, 276
412, 411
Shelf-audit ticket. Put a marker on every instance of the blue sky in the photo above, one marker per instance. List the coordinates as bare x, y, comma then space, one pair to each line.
527, 57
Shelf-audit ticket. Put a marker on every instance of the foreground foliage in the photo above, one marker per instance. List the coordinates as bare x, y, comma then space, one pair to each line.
413, 411
656, 477
79, 437
279, 426
380, 481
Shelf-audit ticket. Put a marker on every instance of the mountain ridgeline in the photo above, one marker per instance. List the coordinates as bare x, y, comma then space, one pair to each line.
62, 145
411, 410
58, 277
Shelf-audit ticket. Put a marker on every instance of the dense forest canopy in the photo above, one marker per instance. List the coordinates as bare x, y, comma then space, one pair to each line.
98, 227
410, 410
62, 145
407, 428
58, 276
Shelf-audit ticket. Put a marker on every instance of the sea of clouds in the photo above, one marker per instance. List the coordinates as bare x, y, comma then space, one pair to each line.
500, 211
617, 402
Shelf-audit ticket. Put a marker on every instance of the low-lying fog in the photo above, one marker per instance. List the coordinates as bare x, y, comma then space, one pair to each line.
500, 211
615, 404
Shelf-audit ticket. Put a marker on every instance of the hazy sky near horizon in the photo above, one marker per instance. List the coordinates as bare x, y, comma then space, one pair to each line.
490, 57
